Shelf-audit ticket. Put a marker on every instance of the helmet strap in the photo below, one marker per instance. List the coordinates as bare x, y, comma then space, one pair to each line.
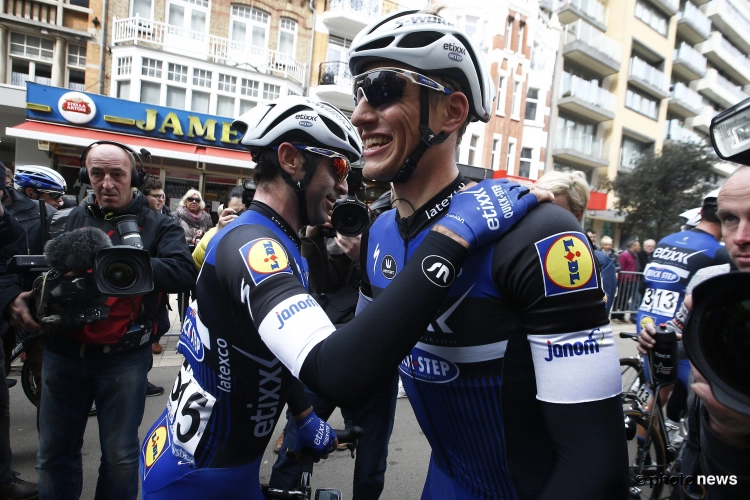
429, 138
300, 186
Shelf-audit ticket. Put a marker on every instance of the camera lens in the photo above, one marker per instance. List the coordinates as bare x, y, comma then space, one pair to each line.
727, 346
120, 274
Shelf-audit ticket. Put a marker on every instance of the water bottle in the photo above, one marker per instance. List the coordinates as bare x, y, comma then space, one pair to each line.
663, 357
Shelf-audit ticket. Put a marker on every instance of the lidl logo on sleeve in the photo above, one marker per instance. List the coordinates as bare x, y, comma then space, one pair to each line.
567, 264
154, 446
264, 258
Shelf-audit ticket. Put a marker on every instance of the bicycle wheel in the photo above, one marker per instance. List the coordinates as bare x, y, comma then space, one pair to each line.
655, 462
633, 376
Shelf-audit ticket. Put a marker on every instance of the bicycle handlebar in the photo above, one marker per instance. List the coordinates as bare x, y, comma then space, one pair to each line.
626, 335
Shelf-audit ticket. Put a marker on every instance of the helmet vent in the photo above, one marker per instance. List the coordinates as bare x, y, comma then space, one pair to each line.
354, 145
376, 44
333, 127
419, 39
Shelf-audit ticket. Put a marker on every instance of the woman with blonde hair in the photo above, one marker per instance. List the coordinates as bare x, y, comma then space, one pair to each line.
192, 218
571, 191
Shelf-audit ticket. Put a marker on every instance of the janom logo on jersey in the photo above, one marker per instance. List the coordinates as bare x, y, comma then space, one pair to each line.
264, 258
588, 346
428, 367
567, 264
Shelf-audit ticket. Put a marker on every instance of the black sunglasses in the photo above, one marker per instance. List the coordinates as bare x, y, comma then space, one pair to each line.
385, 85
194, 200
55, 195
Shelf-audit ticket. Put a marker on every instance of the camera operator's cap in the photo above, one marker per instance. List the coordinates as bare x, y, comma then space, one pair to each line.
38, 177
299, 120
717, 337
431, 45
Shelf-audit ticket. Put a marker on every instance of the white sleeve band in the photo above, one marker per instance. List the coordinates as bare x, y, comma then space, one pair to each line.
576, 367
293, 328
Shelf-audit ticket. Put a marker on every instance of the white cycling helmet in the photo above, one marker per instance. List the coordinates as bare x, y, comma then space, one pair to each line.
431, 45
692, 217
299, 119
40, 178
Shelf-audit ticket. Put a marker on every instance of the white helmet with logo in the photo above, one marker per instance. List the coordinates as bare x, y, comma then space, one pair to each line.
692, 217
431, 45
38, 177
299, 119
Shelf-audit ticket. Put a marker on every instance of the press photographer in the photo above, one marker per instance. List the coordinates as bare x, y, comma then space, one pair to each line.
93, 363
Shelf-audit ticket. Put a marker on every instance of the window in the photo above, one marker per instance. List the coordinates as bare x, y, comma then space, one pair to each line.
473, 149
142, 8
641, 104
532, 99
150, 92
508, 32
510, 160
177, 73
200, 102
516, 109
31, 47
246, 106
23, 71
227, 83
471, 25
123, 65
123, 90
176, 97
202, 78
651, 16
151, 67
271, 91
519, 45
287, 36
501, 95
524, 170
77, 80
249, 88
495, 159
249, 25
225, 105
189, 15
77, 56
631, 151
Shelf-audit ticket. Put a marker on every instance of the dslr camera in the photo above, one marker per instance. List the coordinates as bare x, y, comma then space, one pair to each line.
67, 296
350, 216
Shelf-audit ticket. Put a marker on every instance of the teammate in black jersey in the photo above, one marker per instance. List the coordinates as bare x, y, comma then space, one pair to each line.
515, 381
253, 325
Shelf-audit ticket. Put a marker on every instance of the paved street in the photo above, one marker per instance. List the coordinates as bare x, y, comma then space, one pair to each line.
408, 450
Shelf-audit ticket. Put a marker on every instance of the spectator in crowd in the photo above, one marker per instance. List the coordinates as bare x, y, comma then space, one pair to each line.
644, 254
192, 217
233, 208
572, 192
592, 238
628, 298
8, 176
98, 363
12, 487
610, 252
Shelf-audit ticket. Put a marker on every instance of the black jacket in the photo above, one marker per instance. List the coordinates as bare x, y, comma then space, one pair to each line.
173, 267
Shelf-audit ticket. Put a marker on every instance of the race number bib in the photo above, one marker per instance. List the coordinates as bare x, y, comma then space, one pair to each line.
661, 302
189, 408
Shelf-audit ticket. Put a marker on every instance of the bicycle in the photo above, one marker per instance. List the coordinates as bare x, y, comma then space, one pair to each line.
304, 490
653, 456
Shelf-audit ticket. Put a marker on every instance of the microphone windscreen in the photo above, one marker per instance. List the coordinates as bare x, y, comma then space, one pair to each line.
75, 251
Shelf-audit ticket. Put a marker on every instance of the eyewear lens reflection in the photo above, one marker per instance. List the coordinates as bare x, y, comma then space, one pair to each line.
379, 87
194, 200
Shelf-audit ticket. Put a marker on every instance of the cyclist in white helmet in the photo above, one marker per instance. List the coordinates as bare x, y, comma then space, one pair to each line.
253, 327
515, 382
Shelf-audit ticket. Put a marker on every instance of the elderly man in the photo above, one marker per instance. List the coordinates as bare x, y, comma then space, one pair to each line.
724, 434
96, 363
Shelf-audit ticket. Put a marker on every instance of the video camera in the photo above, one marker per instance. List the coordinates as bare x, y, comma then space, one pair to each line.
66, 295
350, 216
248, 192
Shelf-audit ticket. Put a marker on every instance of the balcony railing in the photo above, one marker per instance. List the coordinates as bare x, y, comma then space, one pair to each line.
590, 92
735, 14
586, 33
736, 54
334, 73
671, 5
644, 71
204, 46
581, 142
676, 132
691, 56
735, 90
368, 7
591, 8
693, 16
689, 96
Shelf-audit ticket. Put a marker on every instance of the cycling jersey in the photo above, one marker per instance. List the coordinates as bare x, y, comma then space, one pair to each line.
252, 327
675, 260
519, 349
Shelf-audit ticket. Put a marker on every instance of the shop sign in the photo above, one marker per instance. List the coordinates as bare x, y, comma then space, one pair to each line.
58, 105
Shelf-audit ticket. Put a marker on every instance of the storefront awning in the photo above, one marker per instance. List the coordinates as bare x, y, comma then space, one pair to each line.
166, 149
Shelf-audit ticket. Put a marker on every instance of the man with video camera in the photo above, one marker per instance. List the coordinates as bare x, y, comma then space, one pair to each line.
102, 361
718, 435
